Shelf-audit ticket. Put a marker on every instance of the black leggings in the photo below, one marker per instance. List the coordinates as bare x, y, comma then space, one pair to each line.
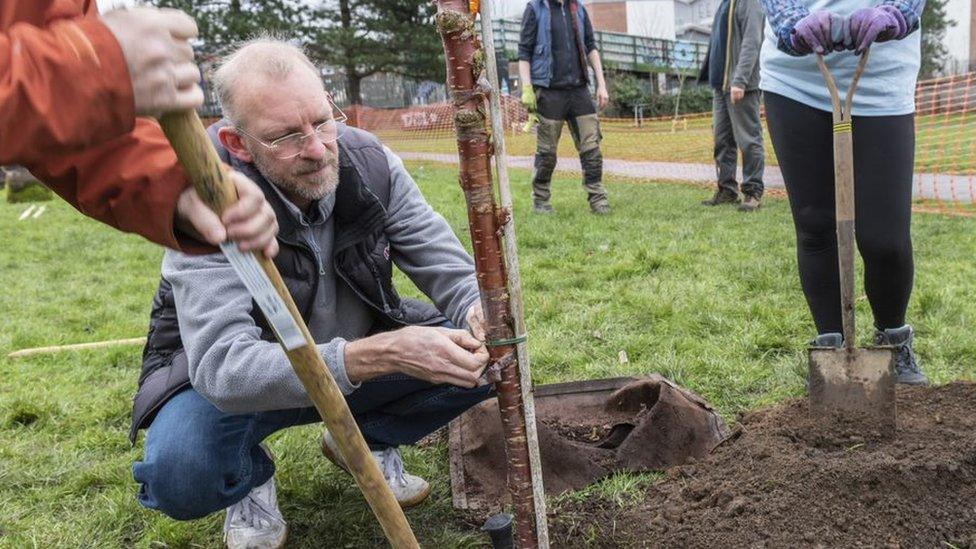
884, 156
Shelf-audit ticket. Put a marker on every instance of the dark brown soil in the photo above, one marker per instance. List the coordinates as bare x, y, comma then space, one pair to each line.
788, 480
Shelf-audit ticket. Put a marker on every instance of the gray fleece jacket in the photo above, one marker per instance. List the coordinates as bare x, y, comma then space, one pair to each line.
238, 372
745, 39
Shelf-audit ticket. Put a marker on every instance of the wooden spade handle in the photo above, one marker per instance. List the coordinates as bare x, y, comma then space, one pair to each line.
212, 182
844, 191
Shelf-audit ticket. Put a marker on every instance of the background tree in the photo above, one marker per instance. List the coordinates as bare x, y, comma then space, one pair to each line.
365, 37
361, 37
342, 37
935, 22
223, 23
408, 26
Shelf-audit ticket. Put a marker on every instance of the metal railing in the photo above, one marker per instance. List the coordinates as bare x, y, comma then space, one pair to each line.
620, 51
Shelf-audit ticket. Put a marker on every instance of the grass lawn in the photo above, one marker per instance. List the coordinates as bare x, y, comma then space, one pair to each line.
654, 141
945, 143
707, 297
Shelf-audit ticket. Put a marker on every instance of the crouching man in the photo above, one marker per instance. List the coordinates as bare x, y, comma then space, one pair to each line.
216, 384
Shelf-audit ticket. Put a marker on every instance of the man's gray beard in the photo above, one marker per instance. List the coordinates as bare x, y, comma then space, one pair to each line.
303, 191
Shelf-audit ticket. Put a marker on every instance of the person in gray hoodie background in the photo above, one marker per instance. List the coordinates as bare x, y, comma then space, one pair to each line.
216, 383
731, 68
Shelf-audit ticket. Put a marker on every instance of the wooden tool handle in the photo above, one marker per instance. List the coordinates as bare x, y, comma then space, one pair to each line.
844, 191
212, 182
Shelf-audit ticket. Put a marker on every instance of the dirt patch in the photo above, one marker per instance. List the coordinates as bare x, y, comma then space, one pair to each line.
787, 480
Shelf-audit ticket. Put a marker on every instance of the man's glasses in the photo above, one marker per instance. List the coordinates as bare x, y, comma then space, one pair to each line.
293, 144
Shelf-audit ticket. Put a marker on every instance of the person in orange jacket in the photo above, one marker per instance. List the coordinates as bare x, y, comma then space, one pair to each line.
77, 90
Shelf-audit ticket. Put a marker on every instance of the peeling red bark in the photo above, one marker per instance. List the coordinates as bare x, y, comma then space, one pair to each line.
469, 90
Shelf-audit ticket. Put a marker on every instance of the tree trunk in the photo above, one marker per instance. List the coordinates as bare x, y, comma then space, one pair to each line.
469, 89
353, 82
353, 78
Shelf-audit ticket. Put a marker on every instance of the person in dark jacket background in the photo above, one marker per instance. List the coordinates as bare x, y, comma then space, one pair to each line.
555, 46
732, 70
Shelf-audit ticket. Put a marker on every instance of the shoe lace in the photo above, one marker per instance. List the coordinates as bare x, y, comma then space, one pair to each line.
251, 512
393, 465
907, 361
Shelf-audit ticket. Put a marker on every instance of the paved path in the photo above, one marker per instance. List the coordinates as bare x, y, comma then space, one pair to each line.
959, 188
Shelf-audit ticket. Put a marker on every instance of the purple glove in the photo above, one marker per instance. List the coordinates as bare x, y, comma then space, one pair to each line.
820, 32
876, 24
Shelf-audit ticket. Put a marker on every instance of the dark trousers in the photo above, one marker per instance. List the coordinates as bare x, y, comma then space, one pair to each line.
576, 107
738, 128
884, 157
199, 460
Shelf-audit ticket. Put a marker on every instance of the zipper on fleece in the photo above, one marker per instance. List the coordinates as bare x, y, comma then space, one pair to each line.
728, 46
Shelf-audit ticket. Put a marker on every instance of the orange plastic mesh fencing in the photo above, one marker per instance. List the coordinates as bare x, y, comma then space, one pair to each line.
945, 157
680, 148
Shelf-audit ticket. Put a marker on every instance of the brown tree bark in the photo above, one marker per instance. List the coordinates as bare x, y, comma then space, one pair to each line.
352, 75
469, 90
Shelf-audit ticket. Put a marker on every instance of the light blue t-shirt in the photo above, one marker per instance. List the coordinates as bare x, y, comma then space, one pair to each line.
887, 87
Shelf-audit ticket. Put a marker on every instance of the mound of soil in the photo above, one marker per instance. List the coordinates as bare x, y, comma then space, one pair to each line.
785, 479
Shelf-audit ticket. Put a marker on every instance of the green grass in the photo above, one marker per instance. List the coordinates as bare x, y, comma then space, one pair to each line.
708, 297
34, 192
945, 143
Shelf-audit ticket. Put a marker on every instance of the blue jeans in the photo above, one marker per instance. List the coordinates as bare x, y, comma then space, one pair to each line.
199, 460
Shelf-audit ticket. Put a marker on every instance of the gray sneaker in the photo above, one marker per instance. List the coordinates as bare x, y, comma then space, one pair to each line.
543, 208
409, 490
907, 370
255, 522
830, 339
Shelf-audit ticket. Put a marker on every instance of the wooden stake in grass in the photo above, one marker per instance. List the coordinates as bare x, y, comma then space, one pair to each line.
77, 347
469, 90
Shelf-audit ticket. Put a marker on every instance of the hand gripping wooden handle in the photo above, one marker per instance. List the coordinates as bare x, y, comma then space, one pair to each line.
212, 182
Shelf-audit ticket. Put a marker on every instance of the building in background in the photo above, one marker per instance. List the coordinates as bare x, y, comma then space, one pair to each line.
666, 19
691, 20
651, 19
960, 40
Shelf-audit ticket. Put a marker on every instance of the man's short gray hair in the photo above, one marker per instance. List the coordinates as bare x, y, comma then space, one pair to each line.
264, 57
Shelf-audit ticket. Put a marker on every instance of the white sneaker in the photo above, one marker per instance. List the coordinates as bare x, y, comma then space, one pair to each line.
409, 490
255, 522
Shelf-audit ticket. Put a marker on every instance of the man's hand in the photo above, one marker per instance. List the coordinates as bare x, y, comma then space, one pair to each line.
250, 221
157, 51
528, 98
476, 321
436, 355
602, 97
736, 94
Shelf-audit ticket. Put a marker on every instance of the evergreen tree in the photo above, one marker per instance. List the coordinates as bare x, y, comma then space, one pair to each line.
222, 23
361, 37
365, 37
935, 22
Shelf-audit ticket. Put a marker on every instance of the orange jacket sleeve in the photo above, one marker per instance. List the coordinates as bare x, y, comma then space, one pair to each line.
67, 114
63, 87
132, 183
